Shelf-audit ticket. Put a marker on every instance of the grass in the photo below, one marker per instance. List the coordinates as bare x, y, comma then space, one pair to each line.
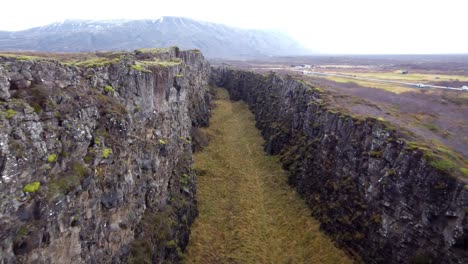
248, 212
393, 76
152, 50
145, 65
394, 88
21, 57
431, 127
411, 77
96, 62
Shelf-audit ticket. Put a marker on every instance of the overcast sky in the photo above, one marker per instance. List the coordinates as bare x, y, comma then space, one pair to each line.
327, 26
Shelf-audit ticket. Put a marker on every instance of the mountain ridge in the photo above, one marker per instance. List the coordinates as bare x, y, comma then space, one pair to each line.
214, 40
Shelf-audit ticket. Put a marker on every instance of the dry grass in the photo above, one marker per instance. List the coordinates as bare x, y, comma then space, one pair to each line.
248, 212
390, 87
411, 77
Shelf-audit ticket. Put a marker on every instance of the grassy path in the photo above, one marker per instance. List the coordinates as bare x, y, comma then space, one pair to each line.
248, 213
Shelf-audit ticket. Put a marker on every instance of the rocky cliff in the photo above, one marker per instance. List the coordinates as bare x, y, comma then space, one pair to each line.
381, 196
95, 156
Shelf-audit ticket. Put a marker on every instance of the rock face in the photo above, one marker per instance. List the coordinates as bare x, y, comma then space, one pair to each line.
95, 161
373, 191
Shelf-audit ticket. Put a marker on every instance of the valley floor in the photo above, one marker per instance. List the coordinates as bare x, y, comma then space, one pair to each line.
248, 212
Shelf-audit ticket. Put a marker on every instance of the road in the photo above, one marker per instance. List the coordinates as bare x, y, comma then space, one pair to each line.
413, 85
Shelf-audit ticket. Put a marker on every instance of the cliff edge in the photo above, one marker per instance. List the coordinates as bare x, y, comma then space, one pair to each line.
95, 155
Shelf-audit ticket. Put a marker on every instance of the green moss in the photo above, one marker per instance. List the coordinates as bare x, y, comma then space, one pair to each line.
31, 187
416, 146
376, 154
37, 108
464, 171
10, 113
79, 170
431, 127
158, 228
442, 164
109, 89
52, 158
106, 153
172, 244
22, 57
62, 185
184, 179
139, 67
88, 159
110, 105
22, 231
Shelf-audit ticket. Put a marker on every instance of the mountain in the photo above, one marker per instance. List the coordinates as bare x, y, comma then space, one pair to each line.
214, 40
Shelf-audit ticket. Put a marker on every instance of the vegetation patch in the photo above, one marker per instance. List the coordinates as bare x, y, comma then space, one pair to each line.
109, 89
464, 171
156, 236
139, 67
10, 113
110, 105
31, 187
106, 152
152, 50
431, 127
21, 57
64, 183
52, 158
96, 62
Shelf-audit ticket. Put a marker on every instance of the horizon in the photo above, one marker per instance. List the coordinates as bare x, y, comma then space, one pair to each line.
326, 27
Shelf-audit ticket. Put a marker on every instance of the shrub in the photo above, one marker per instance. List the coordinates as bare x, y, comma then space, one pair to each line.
31, 187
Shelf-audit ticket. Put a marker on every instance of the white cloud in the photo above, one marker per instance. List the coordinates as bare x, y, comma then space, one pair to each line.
329, 26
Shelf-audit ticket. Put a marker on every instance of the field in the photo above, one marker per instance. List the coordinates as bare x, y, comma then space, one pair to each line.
437, 116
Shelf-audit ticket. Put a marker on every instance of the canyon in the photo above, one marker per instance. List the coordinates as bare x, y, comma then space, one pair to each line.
96, 162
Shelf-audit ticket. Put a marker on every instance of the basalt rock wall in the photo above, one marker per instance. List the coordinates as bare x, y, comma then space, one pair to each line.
95, 160
373, 191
